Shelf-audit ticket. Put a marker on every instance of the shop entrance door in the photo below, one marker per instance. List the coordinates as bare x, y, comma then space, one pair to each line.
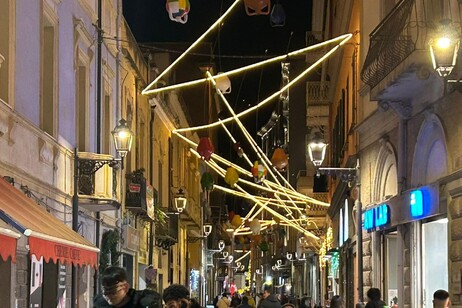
434, 247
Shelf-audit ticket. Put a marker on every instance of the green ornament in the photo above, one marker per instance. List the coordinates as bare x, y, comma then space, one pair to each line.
207, 181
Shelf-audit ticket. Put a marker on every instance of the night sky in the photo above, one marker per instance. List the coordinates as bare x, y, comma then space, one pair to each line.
241, 40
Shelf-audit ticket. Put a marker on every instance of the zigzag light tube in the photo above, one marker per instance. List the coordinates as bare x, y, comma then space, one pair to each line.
239, 70
216, 23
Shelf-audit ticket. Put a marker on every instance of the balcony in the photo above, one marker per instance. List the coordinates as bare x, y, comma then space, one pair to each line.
97, 182
397, 64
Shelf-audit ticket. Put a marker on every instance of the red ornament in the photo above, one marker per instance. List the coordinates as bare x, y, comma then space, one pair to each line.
205, 148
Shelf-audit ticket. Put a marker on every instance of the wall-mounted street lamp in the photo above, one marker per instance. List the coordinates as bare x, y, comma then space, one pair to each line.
84, 170
444, 47
180, 201
317, 149
346, 175
207, 228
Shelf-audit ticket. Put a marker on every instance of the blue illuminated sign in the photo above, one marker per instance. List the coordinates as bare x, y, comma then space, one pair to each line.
376, 217
417, 203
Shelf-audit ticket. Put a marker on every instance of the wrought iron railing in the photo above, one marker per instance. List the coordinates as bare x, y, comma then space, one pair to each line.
391, 42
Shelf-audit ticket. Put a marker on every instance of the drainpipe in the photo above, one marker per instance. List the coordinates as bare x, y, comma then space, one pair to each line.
151, 172
402, 163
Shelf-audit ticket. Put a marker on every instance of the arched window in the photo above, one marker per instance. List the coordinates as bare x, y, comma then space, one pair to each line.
430, 154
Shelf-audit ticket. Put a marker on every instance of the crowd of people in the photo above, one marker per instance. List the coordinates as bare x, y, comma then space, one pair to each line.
117, 293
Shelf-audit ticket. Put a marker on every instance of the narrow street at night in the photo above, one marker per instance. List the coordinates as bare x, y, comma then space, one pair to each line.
230, 154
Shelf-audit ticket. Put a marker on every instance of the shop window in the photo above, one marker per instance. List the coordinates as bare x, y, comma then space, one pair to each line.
434, 247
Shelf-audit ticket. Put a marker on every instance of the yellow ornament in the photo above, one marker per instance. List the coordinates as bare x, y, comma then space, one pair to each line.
231, 176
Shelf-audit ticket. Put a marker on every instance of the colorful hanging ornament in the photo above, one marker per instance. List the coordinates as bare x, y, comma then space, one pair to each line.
231, 176
223, 83
178, 10
238, 149
230, 215
255, 226
279, 159
257, 7
207, 181
264, 246
256, 239
278, 15
205, 148
236, 221
258, 171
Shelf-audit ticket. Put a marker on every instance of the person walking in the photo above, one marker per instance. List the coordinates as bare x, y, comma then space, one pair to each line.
244, 303
441, 299
269, 300
116, 292
336, 302
374, 301
176, 296
224, 301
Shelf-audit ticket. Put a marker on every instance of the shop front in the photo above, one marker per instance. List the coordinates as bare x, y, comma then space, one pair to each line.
409, 233
38, 245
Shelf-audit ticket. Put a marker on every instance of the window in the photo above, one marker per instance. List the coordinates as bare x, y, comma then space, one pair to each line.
434, 247
48, 110
6, 34
82, 83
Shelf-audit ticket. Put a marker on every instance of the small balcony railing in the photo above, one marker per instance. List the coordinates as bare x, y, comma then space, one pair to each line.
391, 42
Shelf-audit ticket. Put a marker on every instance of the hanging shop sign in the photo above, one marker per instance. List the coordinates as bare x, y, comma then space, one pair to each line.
376, 217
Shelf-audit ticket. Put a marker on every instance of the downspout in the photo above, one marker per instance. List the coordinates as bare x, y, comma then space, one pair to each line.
402, 166
151, 173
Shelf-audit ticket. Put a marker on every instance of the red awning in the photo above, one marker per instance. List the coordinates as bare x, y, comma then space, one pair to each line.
8, 240
49, 237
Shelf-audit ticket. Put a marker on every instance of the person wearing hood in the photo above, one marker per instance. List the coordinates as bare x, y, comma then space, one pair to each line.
224, 301
269, 300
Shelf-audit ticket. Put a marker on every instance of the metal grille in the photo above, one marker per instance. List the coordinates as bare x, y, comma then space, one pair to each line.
390, 44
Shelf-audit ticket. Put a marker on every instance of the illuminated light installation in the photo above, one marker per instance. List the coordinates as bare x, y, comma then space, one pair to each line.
283, 194
149, 90
325, 247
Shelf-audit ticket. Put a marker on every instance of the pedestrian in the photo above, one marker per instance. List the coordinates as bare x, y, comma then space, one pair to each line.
244, 303
116, 292
251, 301
194, 303
235, 300
176, 296
269, 300
215, 301
374, 301
336, 302
224, 301
441, 299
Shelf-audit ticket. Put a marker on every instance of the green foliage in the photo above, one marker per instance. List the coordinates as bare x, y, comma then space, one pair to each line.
109, 254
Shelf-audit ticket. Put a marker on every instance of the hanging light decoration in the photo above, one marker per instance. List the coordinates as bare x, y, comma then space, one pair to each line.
231, 176
223, 83
236, 221
257, 7
255, 226
264, 246
279, 159
278, 15
207, 181
178, 10
237, 147
258, 171
205, 148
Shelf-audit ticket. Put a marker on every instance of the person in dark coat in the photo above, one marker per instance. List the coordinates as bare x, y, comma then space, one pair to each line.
244, 303
176, 296
374, 301
116, 292
269, 300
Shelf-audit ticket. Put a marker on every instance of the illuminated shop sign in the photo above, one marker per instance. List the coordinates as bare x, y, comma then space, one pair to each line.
376, 217
417, 203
